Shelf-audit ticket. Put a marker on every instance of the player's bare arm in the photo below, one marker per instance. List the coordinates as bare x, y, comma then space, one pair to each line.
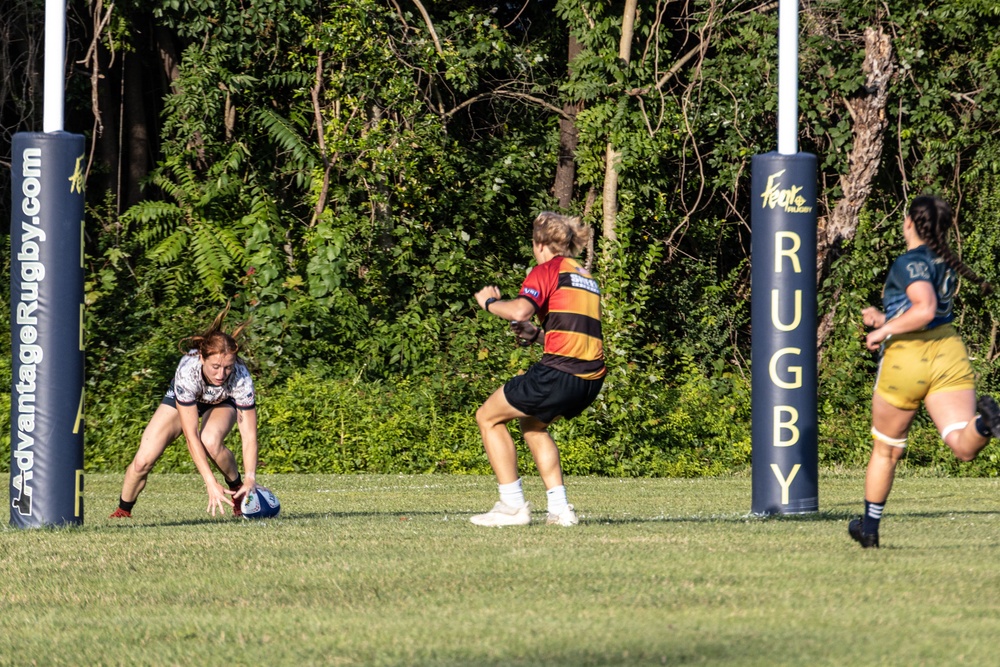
189, 425
513, 310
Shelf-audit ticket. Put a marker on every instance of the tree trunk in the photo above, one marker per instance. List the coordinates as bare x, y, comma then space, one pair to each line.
612, 155
569, 137
166, 47
107, 149
136, 132
610, 196
870, 121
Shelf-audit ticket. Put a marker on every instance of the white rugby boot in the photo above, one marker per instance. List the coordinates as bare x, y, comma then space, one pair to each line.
503, 514
567, 518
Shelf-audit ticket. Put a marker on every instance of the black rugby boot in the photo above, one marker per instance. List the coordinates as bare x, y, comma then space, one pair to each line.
866, 540
990, 412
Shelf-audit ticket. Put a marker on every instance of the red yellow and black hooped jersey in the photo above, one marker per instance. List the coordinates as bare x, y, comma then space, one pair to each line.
568, 304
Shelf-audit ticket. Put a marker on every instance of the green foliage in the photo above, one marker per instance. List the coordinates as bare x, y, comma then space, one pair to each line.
131, 358
848, 369
979, 246
406, 426
313, 422
348, 183
252, 31
954, 93
671, 424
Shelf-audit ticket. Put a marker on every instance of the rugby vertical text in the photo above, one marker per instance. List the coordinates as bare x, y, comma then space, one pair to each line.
783, 318
46, 318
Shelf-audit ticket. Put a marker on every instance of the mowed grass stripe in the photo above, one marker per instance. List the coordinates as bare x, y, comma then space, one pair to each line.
386, 570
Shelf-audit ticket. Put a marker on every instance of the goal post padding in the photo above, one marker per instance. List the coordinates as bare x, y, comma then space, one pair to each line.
46, 319
783, 320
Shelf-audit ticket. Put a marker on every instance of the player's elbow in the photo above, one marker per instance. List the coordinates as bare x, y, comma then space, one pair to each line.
522, 310
926, 314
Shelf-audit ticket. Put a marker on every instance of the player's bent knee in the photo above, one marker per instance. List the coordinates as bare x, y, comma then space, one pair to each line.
214, 447
482, 416
142, 467
898, 443
951, 428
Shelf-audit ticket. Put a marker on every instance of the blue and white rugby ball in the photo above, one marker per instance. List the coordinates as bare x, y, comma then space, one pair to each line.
260, 504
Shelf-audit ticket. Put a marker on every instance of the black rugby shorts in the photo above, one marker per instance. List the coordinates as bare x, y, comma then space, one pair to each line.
546, 393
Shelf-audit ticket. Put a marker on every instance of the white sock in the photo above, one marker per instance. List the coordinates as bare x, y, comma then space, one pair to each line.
556, 497
512, 494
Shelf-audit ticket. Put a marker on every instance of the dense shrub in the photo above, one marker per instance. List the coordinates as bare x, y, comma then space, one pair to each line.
319, 424
674, 422
355, 243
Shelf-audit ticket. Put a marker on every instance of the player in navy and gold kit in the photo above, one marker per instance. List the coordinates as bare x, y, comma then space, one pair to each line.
923, 359
567, 301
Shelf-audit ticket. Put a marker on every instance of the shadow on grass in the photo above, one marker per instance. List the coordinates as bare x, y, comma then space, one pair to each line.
813, 517
723, 518
286, 517
698, 653
829, 516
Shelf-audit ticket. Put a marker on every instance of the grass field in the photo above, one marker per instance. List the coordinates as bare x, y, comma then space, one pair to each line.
387, 570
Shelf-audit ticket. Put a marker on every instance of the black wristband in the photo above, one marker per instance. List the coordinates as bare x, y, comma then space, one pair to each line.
490, 300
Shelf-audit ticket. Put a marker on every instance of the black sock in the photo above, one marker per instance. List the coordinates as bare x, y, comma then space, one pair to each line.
236, 483
981, 427
126, 506
872, 517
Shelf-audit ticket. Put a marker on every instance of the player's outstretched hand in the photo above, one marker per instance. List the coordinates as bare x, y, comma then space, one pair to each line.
526, 332
217, 499
874, 340
488, 292
872, 317
240, 493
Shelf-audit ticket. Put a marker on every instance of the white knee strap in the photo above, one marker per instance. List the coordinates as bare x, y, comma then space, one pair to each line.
892, 442
948, 430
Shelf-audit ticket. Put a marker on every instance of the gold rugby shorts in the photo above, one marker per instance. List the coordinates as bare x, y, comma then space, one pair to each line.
916, 364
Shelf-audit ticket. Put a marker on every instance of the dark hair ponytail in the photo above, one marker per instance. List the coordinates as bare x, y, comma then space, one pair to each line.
932, 217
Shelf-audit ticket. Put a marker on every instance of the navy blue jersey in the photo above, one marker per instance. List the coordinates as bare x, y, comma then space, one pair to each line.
912, 266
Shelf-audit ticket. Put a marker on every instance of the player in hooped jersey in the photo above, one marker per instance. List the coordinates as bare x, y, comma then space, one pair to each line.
213, 385
923, 359
567, 379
